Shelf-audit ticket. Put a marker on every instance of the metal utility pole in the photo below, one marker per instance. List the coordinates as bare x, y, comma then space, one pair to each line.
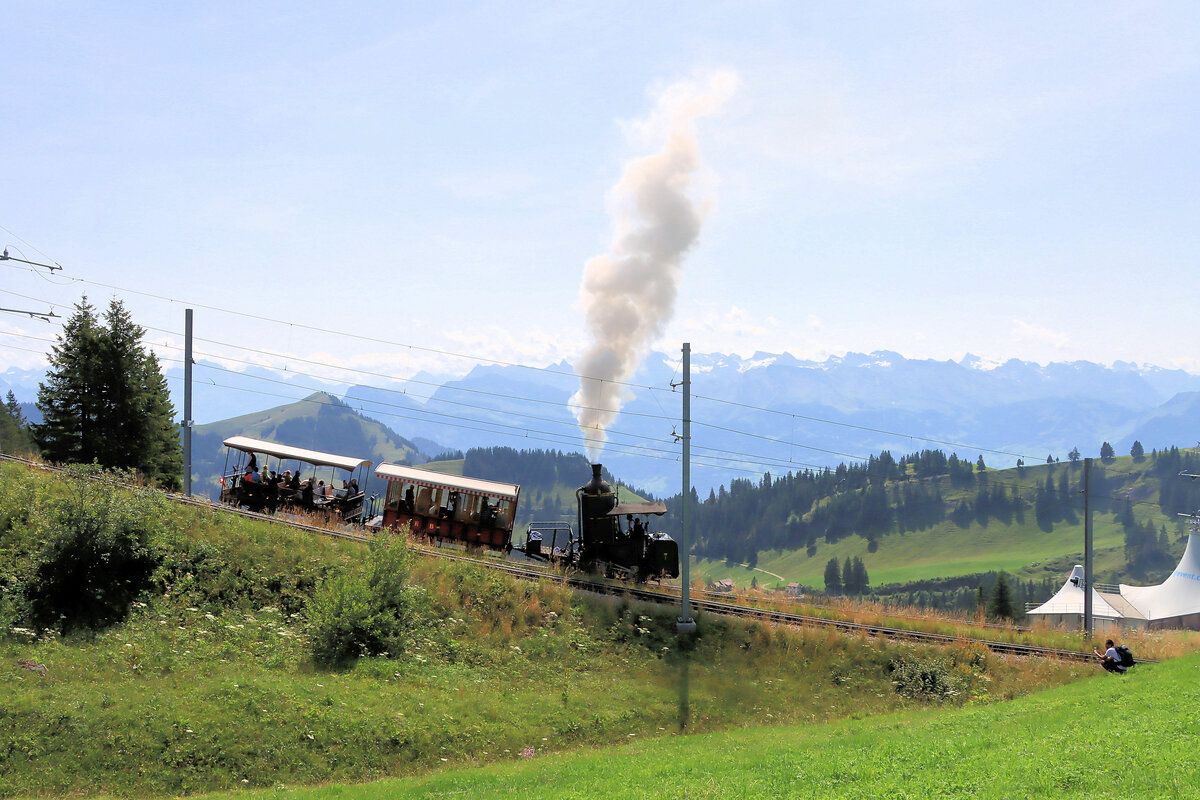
1088, 621
686, 624
187, 402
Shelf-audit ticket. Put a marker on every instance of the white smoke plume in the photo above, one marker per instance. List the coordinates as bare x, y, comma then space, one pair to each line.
628, 293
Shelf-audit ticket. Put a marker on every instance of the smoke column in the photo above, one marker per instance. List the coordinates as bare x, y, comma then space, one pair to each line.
628, 293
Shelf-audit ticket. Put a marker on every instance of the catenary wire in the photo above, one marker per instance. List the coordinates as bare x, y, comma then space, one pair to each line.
547, 370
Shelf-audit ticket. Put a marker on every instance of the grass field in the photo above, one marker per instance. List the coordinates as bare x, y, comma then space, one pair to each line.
939, 552
1104, 737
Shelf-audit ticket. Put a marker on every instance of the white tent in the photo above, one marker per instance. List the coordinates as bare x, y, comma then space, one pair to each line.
1066, 606
1174, 603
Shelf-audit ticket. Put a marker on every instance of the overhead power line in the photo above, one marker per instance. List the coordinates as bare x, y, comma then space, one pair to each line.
543, 370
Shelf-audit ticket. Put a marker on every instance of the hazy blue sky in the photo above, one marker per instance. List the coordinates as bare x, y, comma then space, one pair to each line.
1013, 180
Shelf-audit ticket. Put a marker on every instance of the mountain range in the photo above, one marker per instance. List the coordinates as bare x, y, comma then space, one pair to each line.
769, 412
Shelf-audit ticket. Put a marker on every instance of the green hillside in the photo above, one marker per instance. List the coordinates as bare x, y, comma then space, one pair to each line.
1026, 521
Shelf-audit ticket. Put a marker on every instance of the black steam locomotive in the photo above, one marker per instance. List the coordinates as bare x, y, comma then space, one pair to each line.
601, 543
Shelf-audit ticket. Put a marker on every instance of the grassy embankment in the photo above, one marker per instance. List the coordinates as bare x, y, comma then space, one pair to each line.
1105, 737
210, 683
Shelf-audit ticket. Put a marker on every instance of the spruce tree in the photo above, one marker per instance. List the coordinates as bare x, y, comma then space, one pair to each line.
833, 577
16, 436
105, 399
862, 581
162, 459
1001, 605
70, 406
1138, 452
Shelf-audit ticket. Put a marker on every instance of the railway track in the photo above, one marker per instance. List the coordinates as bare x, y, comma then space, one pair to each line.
699, 604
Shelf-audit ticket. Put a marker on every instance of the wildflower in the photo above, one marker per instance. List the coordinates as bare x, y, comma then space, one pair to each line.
528, 752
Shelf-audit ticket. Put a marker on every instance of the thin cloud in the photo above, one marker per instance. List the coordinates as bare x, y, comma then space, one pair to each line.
1032, 332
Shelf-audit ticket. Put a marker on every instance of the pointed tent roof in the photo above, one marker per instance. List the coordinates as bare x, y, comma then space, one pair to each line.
1069, 599
1178, 595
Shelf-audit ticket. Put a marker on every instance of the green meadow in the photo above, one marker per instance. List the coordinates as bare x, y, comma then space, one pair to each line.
1102, 737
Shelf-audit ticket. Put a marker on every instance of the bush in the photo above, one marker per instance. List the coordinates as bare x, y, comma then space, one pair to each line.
925, 678
352, 614
101, 546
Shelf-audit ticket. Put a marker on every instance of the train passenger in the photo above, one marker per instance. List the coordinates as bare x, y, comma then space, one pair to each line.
294, 483
409, 500
306, 495
272, 494
352, 487
639, 530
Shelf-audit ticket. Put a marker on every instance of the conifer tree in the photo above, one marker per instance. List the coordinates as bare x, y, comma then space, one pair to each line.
16, 436
68, 401
862, 581
1001, 605
105, 398
833, 577
1138, 452
1107, 454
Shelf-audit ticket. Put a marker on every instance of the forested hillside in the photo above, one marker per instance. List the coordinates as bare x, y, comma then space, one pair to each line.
815, 513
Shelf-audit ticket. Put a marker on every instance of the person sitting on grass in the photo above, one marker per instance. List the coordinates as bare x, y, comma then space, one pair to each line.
1110, 659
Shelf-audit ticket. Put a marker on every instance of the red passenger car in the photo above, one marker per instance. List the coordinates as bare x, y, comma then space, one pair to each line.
450, 508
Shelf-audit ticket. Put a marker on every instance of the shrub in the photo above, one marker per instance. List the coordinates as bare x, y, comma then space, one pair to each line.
925, 678
352, 614
101, 546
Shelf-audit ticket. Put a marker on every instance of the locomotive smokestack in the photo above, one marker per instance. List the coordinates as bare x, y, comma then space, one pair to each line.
597, 485
629, 292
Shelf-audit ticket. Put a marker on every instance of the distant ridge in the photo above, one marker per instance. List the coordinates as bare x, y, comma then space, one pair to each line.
1018, 407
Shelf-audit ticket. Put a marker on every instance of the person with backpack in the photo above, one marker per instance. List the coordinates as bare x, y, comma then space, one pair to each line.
1115, 659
